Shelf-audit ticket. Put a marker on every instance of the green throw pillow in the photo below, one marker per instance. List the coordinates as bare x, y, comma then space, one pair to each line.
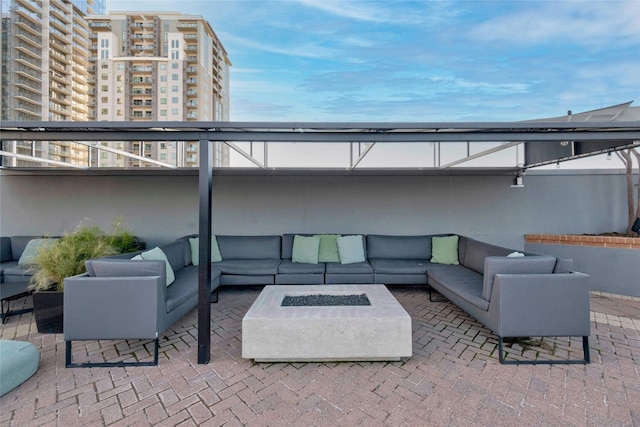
157, 254
31, 250
444, 250
328, 248
305, 249
194, 244
350, 249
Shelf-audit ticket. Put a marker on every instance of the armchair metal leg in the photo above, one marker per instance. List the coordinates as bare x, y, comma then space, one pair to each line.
585, 349
70, 364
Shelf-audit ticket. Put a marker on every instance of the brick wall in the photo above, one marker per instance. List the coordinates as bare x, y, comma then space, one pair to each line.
585, 240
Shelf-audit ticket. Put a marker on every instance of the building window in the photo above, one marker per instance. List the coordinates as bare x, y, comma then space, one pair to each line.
163, 113
174, 88
174, 65
120, 66
163, 78
104, 99
174, 77
104, 88
163, 156
163, 67
163, 89
119, 77
174, 99
104, 66
174, 111
119, 113
163, 145
163, 100
104, 111
104, 77
119, 89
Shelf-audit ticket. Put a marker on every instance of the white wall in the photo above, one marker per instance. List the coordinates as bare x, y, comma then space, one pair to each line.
160, 208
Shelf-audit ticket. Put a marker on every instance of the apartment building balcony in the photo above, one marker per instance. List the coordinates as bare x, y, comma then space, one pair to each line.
30, 40
27, 15
187, 26
191, 81
28, 26
100, 25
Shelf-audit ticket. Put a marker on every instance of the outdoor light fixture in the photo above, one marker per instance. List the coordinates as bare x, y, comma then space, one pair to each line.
609, 155
517, 182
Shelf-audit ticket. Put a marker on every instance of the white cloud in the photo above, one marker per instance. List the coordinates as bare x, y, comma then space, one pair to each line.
593, 23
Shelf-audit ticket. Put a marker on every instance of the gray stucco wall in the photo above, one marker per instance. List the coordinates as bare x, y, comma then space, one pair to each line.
160, 208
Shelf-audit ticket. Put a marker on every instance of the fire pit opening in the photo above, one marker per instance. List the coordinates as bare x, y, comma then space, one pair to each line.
325, 300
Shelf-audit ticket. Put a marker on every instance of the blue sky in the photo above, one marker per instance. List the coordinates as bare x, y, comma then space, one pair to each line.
408, 61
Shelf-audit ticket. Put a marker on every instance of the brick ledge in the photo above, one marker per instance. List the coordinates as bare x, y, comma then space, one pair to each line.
584, 240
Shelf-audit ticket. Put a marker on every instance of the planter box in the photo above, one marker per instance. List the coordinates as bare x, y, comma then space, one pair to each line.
48, 311
612, 262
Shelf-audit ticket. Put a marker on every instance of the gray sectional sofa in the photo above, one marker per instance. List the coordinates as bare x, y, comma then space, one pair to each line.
530, 295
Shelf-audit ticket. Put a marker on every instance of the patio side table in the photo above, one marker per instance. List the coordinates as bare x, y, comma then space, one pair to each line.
10, 292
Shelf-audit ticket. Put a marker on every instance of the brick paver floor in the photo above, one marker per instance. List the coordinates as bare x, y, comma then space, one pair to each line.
453, 378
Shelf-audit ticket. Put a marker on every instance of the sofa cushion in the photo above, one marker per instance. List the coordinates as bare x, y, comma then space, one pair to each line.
184, 288
465, 283
519, 265
398, 247
328, 248
289, 267
305, 249
475, 252
351, 249
249, 247
194, 250
13, 269
18, 243
563, 266
353, 268
254, 267
444, 250
31, 250
399, 266
159, 255
5, 249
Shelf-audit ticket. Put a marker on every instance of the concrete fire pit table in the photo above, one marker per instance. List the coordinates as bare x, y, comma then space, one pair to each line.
275, 333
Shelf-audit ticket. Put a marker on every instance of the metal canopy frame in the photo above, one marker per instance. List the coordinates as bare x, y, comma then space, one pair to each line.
599, 136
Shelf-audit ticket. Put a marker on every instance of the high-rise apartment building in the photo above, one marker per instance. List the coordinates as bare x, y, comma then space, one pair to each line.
44, 49
67, 60
157, 67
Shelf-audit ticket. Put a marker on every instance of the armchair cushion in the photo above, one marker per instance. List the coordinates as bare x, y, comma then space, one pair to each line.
305, 249
444, 250
328, 251
158, 254
351, 249
514, 265
31, 250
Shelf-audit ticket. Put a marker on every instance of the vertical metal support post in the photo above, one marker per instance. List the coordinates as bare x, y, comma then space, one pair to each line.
204, 269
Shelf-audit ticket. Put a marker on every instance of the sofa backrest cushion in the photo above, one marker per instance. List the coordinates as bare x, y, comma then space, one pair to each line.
563, 266
472, 253
398, 247
127, 268
287, 246
5, 249
175, 253
537, 264
249, 247
18, 243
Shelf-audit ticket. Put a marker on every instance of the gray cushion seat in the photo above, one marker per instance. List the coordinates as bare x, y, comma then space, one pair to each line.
289, 267
400, 266
463, 282
245, 267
